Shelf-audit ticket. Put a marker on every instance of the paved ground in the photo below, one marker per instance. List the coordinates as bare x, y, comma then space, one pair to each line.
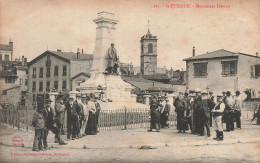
124, 146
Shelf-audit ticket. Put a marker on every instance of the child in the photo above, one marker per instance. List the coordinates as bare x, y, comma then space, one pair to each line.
39, 124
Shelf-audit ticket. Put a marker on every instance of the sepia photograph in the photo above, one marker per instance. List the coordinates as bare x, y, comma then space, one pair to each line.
129, 81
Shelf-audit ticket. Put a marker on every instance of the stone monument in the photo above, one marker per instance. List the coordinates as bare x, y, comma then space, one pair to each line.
115, 92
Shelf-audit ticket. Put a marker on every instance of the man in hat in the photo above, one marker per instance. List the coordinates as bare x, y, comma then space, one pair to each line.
155, 114
187, 98
59, 119
237, 108
72, 119
39, 125
79, 109
229, 111
217, 118
49, 117
196, 112
211, 105
205, 114
180, 108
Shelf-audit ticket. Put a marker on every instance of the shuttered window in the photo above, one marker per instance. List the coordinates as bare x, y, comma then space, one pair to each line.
229, 67
200, 69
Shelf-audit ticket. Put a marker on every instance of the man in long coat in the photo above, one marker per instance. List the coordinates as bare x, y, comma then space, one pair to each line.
59, 118
72, 119
155, 115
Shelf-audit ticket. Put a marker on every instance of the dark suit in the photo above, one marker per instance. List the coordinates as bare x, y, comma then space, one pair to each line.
79, 109
59, 119
72, 120
49, 115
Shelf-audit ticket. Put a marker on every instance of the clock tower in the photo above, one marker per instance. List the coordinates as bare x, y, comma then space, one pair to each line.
148, 54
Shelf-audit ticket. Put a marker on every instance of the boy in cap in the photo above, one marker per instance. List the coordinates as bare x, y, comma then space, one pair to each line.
38, 123
217, 118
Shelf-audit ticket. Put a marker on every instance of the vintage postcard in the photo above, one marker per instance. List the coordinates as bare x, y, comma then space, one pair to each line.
129, 81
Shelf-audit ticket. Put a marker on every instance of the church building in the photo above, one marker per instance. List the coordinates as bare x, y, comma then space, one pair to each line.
148, 54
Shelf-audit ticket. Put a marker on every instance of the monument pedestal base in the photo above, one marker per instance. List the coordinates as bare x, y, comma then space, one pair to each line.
115, 90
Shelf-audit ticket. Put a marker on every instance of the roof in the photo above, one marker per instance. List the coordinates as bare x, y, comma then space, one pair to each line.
14, 87
66, 56
157, 76
5, 73
5, 47
82, 73
222, 53
144, 84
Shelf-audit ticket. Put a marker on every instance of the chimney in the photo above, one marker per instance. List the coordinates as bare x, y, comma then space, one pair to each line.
193, 51
256, 54
11, 45
82, 51
25, 61
78, 52
22, 60
58, 50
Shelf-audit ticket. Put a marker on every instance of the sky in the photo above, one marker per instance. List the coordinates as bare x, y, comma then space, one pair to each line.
37, 25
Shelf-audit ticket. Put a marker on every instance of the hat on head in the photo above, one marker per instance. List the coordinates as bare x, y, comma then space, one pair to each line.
204, 92
219, 96
210, 92
48, 100
78, 95
224, 92
186, 93
59, 97
197, 90
71, 98
228, 93
180, 93
238, 93
84, 96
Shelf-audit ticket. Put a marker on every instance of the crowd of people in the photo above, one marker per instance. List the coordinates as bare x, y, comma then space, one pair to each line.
197, 111
81, 114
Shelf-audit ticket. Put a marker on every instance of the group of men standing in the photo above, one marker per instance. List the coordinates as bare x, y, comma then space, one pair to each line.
159, 113
200, 111
81, 116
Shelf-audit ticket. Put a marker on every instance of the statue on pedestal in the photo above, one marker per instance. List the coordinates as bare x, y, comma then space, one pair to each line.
113, 60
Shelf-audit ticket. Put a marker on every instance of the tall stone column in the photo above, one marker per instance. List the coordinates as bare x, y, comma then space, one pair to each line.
105, 35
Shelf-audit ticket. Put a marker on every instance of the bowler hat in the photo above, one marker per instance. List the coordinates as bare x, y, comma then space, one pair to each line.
228, 93
210, 92
238, 93
204, 92
48, 100
186, 93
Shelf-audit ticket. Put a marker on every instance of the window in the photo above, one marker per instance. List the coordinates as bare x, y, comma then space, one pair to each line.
6, 57
229, 67
48, 72
48, 86
200, 69
64, 85
33, 97
0, 57
64, 72
34, 73
56, 71
26, 82
48, 61
142, 49
255, 71
41, 73
56, 85
150, 48
34, 87
21, 81
40, 87
9, 80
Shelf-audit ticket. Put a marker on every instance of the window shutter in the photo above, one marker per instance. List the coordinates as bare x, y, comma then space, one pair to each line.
252, 71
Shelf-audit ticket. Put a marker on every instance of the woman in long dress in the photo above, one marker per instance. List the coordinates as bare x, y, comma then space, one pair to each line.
91, 128
181, 105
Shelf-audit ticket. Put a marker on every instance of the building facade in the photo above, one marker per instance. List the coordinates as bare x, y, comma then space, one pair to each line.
148, 54
53, 70
223, 70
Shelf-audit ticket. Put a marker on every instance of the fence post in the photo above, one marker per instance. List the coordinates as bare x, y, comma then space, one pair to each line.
125, 118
